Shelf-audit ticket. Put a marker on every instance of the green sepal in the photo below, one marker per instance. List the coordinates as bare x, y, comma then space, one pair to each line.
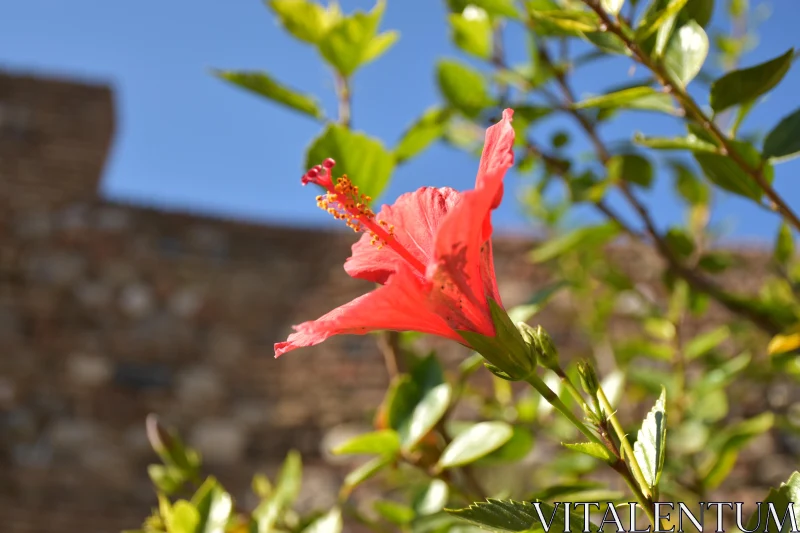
507, 352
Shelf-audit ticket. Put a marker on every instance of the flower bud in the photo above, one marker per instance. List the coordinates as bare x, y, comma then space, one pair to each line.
589, 380
528, 333
548, 353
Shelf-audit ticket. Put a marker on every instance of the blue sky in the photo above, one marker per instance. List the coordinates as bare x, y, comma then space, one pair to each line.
188, 141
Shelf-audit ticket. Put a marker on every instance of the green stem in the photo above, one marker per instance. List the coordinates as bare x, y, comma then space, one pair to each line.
573, 390
556, 402
611, 414
644, 502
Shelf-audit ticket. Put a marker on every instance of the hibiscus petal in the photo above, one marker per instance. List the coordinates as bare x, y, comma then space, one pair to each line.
416, 218
498, 154
400, 305
463, 258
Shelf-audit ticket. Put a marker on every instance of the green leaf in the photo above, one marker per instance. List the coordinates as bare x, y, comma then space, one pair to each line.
510, 515
214, 507
517, 447
607, 42
427, 129
698, 10
364, 472
384, 442
591, 448
690, 142
472, 34
632, 168
474, 443
463, 88
656, 17
262, 84
170, 448
427, 373
735, 438
261, 486
287, 485
787, 493
433, 499
716, 262
643, 98
747, 84
686, 52
680, 242
663, 35
363, 159
287, 488
564, 22
425, 416
577, 238
784, 245
305, 19
783, 142
688, 186
184, 518
349, 43
167, 479
728, 175
379, 45
330, 522
705, 342
394, 512
400, 400
651, 442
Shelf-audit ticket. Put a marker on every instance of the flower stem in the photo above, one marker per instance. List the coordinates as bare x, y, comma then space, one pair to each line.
573, 390
637, 487
548, 394
611, 414
344, 96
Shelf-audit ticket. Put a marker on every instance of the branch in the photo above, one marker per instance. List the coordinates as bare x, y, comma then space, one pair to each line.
344, 96
692, 110
691, 276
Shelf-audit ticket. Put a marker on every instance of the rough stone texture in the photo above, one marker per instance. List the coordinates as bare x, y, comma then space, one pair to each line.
109, 312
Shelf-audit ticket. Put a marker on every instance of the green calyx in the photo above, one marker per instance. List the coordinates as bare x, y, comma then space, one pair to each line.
508, 353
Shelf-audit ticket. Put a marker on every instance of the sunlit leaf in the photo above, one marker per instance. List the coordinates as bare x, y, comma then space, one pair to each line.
643, 98
591, 448
690, 142
655, 18
377, 442
783, 499
305, 19
478, 441
363, 159
472, 34
686, 52
650, 445
262, 84
426, 130
463, 87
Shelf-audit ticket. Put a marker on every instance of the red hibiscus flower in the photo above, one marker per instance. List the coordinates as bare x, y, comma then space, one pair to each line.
431, 251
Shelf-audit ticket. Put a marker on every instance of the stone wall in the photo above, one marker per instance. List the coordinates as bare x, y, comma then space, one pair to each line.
109, 312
